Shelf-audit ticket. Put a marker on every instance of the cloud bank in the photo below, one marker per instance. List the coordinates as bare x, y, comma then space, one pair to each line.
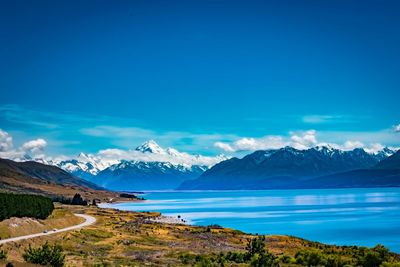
32, 148
299, 140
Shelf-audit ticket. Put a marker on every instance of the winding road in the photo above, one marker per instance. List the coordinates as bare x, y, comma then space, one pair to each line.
88, 221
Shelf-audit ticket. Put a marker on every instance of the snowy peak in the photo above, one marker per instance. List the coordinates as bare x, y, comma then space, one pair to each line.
150, 147
173, 152
161, 166
384, 153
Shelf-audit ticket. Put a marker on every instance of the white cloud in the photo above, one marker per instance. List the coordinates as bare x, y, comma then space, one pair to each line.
299, 140
350, 145
171, 155
120, 132
316, 119
267, 142
224, 146
304, 140
16, 155
34, 146
6, 142
396, 128
31, 148
251, 144
374, 148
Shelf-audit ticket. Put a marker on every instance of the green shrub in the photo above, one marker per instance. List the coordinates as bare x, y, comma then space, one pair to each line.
255, 246
45, 255
390, 264
286, 259
310, 257
257, 254
335, 261
3, 255
373, 257
237, 257
265, 259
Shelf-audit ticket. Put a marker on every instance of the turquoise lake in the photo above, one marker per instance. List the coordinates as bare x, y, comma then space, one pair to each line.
363, 217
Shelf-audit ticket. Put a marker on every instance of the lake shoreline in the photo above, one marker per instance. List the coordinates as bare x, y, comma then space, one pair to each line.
311, 214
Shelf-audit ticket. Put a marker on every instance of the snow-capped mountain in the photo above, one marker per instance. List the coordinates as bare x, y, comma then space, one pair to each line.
151, 147
384, 153
139, 175
283, 168
149, 166
84, 166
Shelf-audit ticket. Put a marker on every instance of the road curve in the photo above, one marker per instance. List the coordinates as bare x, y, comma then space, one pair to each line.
88, 221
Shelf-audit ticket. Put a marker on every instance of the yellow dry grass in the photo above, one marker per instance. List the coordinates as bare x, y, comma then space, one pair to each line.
60, 218
122, 238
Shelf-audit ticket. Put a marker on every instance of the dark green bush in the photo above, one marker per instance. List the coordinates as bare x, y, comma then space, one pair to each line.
255, 246
45, 255
3, 255
23, 205
373, 257
265, 259
257, 255
310, 257
76, 200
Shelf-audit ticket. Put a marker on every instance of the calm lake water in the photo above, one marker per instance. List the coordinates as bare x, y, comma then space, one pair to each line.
362, 217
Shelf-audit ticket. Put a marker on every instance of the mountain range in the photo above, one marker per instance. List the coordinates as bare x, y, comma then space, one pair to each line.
139, 175
317, 167
153, 168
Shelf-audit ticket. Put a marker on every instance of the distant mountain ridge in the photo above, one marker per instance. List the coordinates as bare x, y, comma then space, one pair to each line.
164, 169
385, 173
139, 175
160, 169
283, 168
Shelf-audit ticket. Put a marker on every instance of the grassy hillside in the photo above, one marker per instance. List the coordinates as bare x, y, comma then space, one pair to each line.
37, 178
59, 218
42, 172
121, 238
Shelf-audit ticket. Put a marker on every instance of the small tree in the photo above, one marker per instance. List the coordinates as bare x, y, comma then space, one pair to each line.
257, 254
255, 246
78, 200
3, 254
45, 255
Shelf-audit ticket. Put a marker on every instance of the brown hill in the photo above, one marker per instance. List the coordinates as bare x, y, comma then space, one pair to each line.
34, 177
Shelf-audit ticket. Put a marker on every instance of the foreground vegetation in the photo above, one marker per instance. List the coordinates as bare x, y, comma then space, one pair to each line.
23, 205
355, 256
49, 255
121, 238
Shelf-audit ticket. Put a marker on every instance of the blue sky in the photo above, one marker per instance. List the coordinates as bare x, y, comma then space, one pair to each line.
89, 75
